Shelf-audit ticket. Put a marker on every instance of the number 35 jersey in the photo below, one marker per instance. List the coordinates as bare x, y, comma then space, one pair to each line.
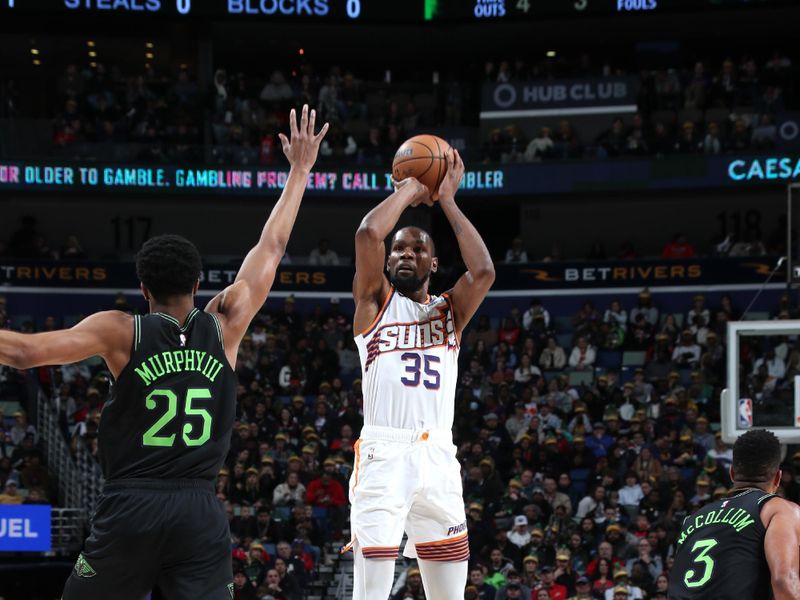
409, 362
720, 551
172, 408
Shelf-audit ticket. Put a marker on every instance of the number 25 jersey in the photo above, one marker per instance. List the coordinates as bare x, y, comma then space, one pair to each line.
409, 361
172, 407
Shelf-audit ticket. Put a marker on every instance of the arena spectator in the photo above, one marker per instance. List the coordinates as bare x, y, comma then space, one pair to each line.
739, 138
712, 144
517, 253
243, 588
687, 351
566, 143
593, 505
412, 589
765, 134
622, 586
699, 309
679, 247
616, 314
583, 586
555, 591
484, 591
277, 89
582, 355
748, 245
323, 255
290, 491
553, 356
72, 249
630, 495
338, 144
10, 494
21, 429
540, 147
652, 564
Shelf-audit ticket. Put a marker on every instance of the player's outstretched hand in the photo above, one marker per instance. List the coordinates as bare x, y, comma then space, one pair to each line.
452, 179
420, 194
302, 148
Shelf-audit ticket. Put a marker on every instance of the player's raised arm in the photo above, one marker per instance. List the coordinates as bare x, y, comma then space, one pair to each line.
782, 548
240, 302
370, 285
107, 334
471, 287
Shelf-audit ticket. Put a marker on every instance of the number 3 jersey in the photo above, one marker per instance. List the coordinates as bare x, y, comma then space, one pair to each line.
720, 551
409, 362
172, 408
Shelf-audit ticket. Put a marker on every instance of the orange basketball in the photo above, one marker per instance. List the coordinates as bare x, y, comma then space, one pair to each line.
423, 157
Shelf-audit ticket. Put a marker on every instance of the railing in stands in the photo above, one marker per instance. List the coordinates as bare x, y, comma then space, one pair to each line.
77, 471
345, 588
67, 528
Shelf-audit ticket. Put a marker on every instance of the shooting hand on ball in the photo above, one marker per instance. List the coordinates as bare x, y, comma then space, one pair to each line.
452, 179
301, 150
418, 193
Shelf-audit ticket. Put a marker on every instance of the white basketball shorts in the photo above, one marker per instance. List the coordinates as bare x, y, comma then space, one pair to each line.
410, 481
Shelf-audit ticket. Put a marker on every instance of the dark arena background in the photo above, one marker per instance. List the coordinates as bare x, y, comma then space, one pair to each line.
628, 163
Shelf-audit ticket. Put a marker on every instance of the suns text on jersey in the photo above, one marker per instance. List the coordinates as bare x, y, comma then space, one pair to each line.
413, 336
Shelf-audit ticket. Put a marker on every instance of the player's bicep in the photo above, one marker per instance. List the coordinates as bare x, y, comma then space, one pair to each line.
96, 335
236, 306
782, 542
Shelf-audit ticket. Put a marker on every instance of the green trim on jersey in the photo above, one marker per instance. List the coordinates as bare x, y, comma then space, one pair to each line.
175, 321
219, 329
136, 329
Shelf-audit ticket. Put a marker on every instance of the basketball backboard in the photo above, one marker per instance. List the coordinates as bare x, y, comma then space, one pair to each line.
763, 382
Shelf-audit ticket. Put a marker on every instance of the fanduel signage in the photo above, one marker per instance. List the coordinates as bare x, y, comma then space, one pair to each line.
24, 528
559, 97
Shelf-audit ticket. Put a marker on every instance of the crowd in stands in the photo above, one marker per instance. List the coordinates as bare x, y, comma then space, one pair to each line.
24, 477
709, 106
706, 108
368, 120
679, 247
579, 462
106, 113
28, 242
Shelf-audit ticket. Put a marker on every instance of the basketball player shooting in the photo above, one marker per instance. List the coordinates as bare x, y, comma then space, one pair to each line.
745, 546
165, 431
406, 475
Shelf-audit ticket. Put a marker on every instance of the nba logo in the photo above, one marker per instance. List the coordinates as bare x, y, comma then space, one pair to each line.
745, 413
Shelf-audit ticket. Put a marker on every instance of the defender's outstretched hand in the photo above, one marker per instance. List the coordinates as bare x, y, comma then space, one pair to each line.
452, 179
302, 148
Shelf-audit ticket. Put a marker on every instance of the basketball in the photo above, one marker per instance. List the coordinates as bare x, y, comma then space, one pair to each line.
423, 157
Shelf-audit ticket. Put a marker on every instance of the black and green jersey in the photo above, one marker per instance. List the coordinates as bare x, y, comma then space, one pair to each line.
172, 408
720, 551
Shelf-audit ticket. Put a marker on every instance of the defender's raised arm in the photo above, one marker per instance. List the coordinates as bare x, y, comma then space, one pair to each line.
240, 302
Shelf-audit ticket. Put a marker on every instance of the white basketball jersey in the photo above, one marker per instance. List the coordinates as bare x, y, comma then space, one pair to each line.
409, 364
